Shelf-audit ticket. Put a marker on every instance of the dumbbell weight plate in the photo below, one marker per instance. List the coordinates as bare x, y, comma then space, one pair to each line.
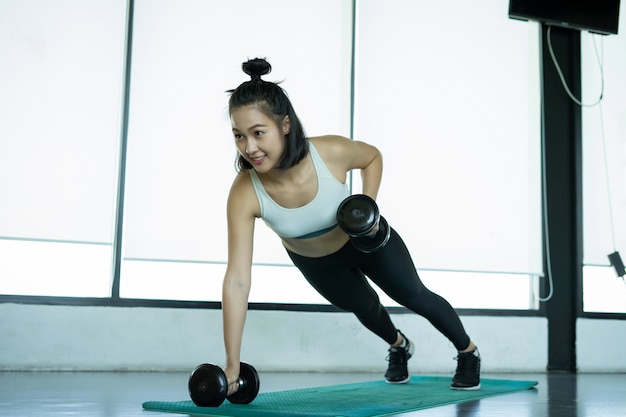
208, 385
249, 387
358, 215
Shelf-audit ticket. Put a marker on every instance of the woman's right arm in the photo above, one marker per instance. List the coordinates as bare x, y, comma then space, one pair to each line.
241, 212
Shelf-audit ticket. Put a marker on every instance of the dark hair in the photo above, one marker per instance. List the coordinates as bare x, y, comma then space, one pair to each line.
273, 101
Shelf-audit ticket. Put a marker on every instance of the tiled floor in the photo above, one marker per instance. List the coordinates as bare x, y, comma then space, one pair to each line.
89, 394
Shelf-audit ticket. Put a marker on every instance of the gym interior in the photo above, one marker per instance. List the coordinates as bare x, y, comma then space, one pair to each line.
504, 140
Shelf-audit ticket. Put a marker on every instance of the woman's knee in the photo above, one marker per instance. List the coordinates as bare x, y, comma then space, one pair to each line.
371, 311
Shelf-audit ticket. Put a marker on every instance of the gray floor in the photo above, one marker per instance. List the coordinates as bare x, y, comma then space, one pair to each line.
89, 394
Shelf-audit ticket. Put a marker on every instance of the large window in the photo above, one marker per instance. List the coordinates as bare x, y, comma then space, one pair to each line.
60, 83
452, 103
604, 168
450, 94
180, 148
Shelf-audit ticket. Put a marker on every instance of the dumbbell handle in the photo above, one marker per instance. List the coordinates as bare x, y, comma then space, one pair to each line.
240, 382
376, 240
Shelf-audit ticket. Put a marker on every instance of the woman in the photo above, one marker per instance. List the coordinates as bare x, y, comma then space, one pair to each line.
296, 184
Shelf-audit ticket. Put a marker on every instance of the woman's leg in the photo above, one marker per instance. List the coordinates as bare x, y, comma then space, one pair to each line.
392, 269
343, 284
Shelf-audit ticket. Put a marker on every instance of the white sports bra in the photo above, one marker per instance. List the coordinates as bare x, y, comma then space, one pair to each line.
313, 219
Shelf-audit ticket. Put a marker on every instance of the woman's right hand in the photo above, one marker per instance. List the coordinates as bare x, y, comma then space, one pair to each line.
232, 375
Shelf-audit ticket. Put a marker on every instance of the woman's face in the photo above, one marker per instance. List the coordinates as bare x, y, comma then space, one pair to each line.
259, 139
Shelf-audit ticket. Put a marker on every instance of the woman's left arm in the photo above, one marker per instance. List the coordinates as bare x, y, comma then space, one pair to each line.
371, 165
343, 155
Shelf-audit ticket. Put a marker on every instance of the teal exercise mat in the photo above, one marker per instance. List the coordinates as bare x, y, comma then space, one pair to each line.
364, 399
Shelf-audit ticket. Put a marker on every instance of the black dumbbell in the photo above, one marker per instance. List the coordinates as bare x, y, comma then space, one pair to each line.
208, 385
358, 217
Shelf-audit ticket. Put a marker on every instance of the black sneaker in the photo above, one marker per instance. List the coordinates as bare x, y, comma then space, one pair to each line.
467, 375
398, 372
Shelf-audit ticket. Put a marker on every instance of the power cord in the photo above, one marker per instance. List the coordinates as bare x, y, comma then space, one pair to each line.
562, 77
544, 186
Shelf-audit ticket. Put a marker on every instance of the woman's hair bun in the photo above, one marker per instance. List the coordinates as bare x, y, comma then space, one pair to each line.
256, 67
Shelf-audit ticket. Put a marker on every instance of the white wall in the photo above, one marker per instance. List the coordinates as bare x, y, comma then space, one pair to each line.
36, 337
600, 345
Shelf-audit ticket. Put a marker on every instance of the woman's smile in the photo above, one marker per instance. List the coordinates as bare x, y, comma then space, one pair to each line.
257, 160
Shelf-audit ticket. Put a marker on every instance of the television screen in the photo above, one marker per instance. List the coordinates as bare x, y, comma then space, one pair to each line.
597, 16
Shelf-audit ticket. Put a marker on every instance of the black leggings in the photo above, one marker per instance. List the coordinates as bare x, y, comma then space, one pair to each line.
340, 278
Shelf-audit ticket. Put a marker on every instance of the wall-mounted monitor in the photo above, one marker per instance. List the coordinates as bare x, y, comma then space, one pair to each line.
597, 16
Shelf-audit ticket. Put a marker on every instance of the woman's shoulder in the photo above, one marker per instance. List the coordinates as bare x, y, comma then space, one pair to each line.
328, 140
242, 196
331, 146
242, 180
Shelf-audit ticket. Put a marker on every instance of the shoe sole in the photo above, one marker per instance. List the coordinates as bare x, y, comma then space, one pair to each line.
474, 388
403, 381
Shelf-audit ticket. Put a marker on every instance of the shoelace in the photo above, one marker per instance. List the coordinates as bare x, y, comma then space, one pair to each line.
396, 356
467, 364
